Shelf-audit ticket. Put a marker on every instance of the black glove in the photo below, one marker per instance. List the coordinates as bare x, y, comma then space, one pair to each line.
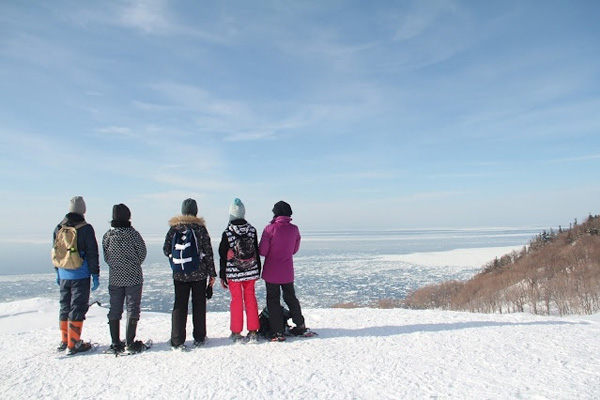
209, 291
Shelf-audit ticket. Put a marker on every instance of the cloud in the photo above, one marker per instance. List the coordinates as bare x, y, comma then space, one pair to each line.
116, 131
148, 16
591, 157
156, 17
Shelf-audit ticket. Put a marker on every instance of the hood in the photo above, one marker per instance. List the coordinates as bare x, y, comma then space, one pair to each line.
240, 230
186, 220
72, 219
282, 220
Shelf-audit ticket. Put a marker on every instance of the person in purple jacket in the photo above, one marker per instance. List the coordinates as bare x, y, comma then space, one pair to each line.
279, 242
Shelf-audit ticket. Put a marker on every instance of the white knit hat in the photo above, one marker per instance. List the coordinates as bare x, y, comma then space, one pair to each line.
237, 210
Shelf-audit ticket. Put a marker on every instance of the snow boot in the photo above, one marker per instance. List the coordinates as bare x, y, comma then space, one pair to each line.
117, 346
252, 337
74, 333
75, 344
131, 330
298, 330
133, 346
236, 337
64, 335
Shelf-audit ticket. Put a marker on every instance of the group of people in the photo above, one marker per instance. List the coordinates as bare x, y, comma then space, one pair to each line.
124, 251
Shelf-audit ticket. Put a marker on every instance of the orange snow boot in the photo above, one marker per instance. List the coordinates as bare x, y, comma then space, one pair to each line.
64, 335
75, 344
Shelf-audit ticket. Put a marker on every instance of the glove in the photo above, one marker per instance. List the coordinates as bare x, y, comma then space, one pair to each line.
95, 282
209, 292
224, 283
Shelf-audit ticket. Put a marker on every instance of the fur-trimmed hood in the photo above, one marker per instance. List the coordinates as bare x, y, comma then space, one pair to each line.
186, 220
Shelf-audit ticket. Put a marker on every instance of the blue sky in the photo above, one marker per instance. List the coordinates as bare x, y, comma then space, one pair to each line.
362, 115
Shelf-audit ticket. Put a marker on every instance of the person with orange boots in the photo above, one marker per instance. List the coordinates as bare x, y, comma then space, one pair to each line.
76, 259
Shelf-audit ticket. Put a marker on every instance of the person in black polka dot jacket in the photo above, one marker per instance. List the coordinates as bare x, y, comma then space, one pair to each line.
124, 252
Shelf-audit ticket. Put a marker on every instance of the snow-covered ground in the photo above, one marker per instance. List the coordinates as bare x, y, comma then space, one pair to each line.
359, 354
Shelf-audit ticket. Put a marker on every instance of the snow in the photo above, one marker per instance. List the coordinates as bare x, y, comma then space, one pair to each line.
473, 257
359, 354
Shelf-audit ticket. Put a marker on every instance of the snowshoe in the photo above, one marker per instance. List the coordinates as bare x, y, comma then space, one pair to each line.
236, 337
180, 347
137, 347
199, 343
278, 337
80, 347
301, 332
61, 347
115, 349
252, 337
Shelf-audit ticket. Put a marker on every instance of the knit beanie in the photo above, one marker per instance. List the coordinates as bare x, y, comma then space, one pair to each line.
189, 207
77, 205
121, 212
237, 210
281, 208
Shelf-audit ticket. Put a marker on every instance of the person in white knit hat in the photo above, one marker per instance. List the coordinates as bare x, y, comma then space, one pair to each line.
239, 270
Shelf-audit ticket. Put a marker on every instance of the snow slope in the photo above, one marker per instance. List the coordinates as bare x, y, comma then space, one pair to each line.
359, 354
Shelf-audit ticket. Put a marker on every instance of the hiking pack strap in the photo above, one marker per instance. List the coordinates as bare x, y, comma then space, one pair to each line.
77, 226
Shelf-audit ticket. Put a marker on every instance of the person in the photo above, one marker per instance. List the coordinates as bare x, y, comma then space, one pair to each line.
75, 283
195, 279
124, 251
239, 273
280, 240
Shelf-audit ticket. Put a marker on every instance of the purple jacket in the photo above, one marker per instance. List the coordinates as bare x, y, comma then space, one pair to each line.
279, 242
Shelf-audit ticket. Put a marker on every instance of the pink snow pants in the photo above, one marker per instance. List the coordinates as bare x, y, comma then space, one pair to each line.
243, 294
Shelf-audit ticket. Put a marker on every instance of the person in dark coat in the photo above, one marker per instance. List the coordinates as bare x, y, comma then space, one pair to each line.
75, 283
194, 282
124, 251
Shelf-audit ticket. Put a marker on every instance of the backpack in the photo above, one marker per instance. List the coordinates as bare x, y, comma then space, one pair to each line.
184, 251
242, 253
64, 251
263, 318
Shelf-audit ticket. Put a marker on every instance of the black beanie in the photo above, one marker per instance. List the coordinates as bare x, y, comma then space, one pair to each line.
189, 207
121, 216
121, 212
281, 208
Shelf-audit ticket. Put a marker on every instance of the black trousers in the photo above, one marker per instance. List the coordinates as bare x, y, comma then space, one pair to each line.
274, 305
74, 299
180, 311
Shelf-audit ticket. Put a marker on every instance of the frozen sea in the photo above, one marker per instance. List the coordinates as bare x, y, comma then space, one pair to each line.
332, 268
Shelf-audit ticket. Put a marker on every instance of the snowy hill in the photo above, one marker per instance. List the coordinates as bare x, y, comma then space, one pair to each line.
359, 354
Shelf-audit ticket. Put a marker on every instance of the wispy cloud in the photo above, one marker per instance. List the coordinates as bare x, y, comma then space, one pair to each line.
156, 17
591, 157
149, 16
116, 131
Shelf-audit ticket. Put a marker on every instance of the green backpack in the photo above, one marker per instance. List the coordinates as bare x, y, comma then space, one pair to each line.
64, 252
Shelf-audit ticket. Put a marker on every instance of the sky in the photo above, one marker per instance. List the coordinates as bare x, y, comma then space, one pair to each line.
361, 115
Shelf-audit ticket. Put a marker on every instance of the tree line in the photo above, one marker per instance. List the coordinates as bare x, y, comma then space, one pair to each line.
558, 271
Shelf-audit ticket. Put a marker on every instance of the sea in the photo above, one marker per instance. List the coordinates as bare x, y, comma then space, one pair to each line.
332, 269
